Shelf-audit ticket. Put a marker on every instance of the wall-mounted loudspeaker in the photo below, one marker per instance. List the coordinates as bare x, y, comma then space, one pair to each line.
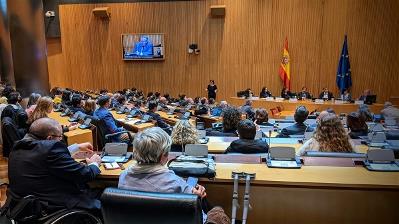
218, 10
102, 12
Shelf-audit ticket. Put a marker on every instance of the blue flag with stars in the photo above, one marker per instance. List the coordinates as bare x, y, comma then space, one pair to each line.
344, 79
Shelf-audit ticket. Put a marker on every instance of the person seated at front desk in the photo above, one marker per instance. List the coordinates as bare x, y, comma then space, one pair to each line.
304, 94
152, 109
262, 118
366, 93
202, 107
41, 165
285, 93
163, 102
299, 128
110, 124
356, 125
264, 93
231, 116
346, 96
326, 95
330, 136
247, 143
183, 133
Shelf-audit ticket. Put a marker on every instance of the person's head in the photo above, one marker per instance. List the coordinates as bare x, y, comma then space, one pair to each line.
356, 122
330, 110
163, 100
301, 114
304, 89
346, 91
204, 101
321, 115
103, 92
151, 146
367, 92
184, 133
121, 99
248, 103
104, 101
46, 129
90, 105
44, 106
211, 101
152, 106
246, 129
76, 100
138, 104
325, 89
150, 94
365, 112
157, 95
14, 98
331, 135
261, 116
66, 96
223, 104
212, 82
284, 90
264, 89
144, 39
8, 89
33, 98
231, 117
387, 104
190, 101
167, 96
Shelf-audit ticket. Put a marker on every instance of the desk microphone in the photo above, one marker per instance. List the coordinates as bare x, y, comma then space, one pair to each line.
270, 135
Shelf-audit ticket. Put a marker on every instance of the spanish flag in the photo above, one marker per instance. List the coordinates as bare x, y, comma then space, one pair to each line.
284, 70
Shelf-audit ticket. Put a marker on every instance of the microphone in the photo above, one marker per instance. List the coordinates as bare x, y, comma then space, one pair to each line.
270, 135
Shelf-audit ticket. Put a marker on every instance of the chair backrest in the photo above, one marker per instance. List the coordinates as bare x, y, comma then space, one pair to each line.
120, 206
196, 150
10, 134
100, 131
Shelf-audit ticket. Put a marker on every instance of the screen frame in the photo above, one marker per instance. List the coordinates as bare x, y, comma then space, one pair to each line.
144, 59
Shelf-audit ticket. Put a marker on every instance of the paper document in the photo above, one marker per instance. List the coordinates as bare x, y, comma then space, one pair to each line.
277, 163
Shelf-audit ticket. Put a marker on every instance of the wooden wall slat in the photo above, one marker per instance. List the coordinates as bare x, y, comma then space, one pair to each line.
242, 50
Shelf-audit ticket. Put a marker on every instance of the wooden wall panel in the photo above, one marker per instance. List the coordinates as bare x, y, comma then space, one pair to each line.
242, 50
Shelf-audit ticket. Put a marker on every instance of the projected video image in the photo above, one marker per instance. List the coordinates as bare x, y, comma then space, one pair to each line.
143, 46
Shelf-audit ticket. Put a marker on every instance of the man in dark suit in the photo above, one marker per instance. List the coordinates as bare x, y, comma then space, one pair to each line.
246, 142
152, 109
299, 128
41, 165
202, 108
326, 95
304, 94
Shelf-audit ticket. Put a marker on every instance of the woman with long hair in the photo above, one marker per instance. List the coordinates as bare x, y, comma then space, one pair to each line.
44, 106
183, 133
330, 136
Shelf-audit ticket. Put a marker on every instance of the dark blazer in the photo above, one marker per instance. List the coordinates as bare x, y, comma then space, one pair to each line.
305, 94
357, 134
248, 146
286, 95
330, 95
202, 109
160, 123
176, 148
249, 111
295, 129
265, 124
45, 168
265, 94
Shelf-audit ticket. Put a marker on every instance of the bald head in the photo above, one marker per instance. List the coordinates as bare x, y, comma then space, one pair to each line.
45, 127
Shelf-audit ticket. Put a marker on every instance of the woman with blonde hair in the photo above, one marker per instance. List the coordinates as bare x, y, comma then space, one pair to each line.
183, 133
330, 136
89, 107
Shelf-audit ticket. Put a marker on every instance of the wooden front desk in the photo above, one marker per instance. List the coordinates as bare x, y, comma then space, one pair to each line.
311, 106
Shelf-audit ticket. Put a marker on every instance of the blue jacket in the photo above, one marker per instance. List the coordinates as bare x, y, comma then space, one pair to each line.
109, 120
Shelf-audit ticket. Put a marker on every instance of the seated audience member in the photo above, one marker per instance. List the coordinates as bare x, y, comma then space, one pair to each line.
346, 96
152, 109
217, 111
33, 98
202, 107
103, 92
150, 150
356, 125
41, 165
103, 114
265, 93
114, 100
330, 136
246, 142
366, 93
304, 94
89, 107
299, 128
66, 99
285, 93
8, 89
248, 110
183, 133
76, 104
44, 107
231, 116
14, 110
365, 112
211, 103
262, 117
163, 102
390, 111
326, 95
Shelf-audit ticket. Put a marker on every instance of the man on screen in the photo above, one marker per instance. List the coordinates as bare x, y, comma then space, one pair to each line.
144, 47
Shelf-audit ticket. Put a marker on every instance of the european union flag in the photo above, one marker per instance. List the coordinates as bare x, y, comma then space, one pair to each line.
344, 80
